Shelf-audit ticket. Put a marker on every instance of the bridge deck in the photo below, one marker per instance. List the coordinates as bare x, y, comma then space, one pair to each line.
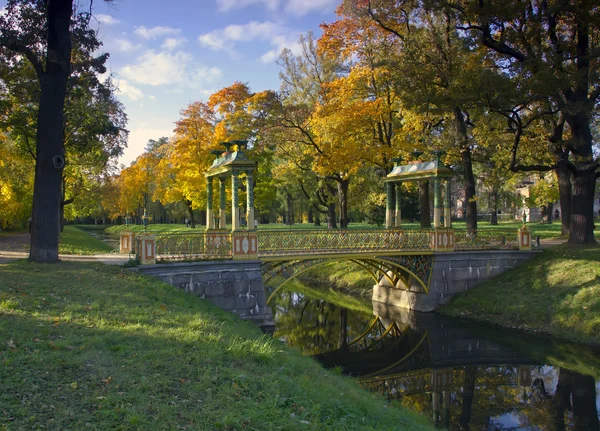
305, 244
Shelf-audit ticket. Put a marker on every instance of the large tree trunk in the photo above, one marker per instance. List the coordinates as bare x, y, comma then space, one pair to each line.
343, 196
494, 219
188, 204
289, 210
424, 205
469, 178
582, 209
47, 183
331, 223
563, 176
317, 219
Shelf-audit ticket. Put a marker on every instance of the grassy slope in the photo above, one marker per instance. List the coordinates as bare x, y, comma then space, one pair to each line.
74, 240
557, 292
97, 347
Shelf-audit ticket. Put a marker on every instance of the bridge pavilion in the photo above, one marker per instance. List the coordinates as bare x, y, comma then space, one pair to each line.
230, 164
419, 171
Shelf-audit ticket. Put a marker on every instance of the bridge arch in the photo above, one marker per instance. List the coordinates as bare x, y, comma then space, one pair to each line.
380, 268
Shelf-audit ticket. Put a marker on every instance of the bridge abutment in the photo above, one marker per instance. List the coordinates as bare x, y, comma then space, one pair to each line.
451, 273
233, 286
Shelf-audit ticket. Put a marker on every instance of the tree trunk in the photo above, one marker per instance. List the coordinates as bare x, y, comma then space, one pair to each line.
343, 341
469, 182
331, 223
424, 204
188, 204
49, 148
585, 413
494, 219
563, 176
317, 219
343, 196
469, 178
310, 217
289, 209
582, 208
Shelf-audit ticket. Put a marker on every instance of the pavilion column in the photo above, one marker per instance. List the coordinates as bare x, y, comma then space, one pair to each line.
447, 203
235, 208
210, 223
437, 203
249, 200
389, 212
223, 204
398, 205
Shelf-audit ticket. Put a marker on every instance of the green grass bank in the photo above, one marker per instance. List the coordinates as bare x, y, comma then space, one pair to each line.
89, 346
557, 293
78, 240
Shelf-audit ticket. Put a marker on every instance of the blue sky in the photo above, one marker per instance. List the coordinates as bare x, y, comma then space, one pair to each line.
164, 55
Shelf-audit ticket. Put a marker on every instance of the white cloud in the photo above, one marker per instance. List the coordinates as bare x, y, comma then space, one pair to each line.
225, 39
289, 41
175, 69
125, 45
107, 19
226, 5
203, 74
171, 43
158, 68
303, 7
128, 90
155, 32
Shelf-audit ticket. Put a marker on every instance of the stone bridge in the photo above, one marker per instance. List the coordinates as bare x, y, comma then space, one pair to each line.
411, 268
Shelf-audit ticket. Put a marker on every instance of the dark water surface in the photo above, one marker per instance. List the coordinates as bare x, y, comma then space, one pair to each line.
462, 375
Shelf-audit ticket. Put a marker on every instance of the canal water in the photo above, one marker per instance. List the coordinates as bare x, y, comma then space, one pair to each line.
461, 375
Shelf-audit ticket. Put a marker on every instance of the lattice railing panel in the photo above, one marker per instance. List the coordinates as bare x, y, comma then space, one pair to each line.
486, 239
193, 246
302, 242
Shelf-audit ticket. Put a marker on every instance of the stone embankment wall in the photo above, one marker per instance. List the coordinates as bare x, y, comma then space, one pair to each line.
233, 286
452, 273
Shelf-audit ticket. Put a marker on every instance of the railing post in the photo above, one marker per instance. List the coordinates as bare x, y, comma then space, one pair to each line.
442, 239
147, 249
244, 245
126, 243
524, 236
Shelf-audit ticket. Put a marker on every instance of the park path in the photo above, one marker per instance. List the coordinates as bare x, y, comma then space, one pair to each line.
16, 246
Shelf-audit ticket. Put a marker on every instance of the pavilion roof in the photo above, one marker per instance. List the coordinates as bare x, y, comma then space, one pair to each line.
228, 161
419, 171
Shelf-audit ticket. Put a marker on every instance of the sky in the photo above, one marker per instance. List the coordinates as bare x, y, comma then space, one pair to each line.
165, 55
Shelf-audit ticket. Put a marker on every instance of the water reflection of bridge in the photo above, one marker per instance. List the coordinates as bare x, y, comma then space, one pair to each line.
445, 370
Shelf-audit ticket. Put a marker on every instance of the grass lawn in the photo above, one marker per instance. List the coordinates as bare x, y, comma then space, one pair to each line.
74, 240
557, 292
89, 346
545, 231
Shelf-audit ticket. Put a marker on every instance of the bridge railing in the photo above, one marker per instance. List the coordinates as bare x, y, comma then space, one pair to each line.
486, 239
300, 242
193, 246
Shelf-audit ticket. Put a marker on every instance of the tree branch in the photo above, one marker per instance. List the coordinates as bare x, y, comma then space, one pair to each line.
27, 52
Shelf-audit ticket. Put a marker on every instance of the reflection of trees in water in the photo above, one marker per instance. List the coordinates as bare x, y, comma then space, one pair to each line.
315, 326
480, 396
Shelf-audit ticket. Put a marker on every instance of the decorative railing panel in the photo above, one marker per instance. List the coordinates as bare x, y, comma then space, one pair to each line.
193, 246
313, 242
486, 239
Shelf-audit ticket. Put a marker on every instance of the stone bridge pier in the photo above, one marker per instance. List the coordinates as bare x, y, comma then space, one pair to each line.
451, 273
